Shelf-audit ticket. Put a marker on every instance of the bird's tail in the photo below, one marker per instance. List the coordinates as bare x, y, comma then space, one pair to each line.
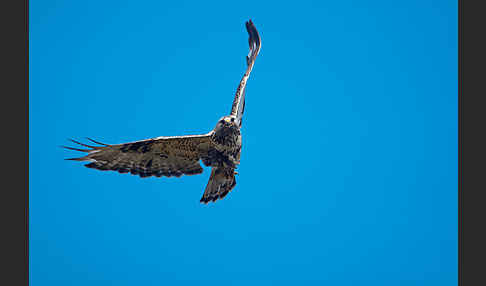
221, 182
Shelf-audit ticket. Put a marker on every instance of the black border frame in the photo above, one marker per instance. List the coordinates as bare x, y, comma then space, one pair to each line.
14, 126
472, 143
27, 199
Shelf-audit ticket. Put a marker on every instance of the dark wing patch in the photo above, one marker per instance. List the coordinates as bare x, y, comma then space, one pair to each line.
162, 156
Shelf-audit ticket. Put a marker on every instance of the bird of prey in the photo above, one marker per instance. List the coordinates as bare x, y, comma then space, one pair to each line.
180, 155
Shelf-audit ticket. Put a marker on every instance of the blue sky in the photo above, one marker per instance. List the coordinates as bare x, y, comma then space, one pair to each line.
348, 172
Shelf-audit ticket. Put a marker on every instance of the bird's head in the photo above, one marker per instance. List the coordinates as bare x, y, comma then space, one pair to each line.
225, 122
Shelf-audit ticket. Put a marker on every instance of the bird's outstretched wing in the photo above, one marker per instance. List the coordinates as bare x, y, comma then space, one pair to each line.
254, 41
161, 156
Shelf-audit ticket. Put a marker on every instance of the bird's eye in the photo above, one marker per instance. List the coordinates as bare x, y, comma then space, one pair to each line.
232, 120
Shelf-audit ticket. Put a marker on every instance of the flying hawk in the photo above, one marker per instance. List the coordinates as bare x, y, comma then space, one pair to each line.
179, 155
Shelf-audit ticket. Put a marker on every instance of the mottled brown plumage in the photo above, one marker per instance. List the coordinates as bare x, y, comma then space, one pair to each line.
180, 155
162, 156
